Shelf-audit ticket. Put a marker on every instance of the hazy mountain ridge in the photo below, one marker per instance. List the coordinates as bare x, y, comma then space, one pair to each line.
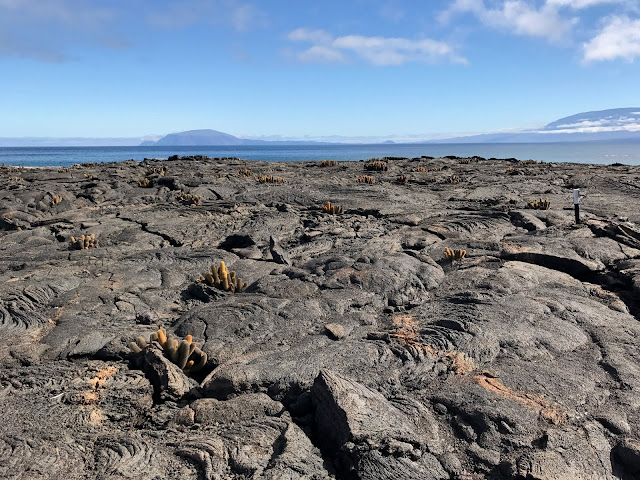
204, 137
207, 137
607, 120
613, 125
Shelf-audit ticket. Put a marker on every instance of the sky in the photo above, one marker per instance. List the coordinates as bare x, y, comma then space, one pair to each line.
310, 69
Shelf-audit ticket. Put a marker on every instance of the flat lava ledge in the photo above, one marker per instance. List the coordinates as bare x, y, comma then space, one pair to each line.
356, 351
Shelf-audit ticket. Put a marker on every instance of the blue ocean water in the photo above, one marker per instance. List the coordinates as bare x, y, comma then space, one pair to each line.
602, 153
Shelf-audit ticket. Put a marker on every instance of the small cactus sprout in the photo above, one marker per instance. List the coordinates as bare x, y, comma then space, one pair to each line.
157, 171
84, 242
55, 199
532, 162
542, 204
333, 209
144, 183
454, 254
365, 179
220, 277
188, 199
421, 169
328, 163
403, 179
185, 354
453, 179
376, 165
245, 172
271, 179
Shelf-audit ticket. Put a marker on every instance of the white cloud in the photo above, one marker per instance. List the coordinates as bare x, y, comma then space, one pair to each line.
619, 38
379, 51
593, 129
67, 11
516, 16
245, 17
579, 4
41, 30
47, 30
11, 46
322, 54
619, 123
308, 35
241, 16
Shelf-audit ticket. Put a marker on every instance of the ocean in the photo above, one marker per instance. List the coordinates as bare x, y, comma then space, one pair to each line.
600, 153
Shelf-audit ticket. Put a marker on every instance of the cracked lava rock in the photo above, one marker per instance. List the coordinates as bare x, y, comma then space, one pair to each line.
356, 350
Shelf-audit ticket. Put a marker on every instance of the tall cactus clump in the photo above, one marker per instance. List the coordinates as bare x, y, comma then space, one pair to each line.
188, 199
328, 163
542, 204
365, 179
185, 354
271, 179
376, 165
220, 277
453, 179
84, 242
333, 209
157, 171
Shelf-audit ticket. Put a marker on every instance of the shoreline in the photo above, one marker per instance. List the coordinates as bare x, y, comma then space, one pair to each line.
556, 153
218, 159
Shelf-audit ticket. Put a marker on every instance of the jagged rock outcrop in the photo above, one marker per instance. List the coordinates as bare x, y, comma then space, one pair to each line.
369, 437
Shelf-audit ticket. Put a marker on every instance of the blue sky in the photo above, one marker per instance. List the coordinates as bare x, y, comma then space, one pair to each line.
359, 68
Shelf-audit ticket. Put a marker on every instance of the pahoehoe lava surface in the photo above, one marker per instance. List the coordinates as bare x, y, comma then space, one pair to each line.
357, 350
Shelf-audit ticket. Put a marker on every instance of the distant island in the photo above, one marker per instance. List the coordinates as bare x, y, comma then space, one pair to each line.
214, 137
613, 125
